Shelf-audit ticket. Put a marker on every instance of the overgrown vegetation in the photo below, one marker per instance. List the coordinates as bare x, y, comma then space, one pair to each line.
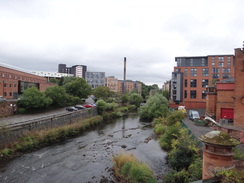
156, 106
229, 175
37, 139
183, 154
128, 169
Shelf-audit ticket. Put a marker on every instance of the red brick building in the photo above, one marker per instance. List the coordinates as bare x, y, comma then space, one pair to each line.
226, 99
192, 75
130, 86
13, 81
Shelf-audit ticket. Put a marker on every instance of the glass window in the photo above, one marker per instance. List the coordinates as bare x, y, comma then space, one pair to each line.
215, 70
193, 94
226, 70
221, 59
215, 75
193, 72
221, 64
185, 82
191, 62
226, 76
186, 72
204, 72
193, 83
204, 83
185, 94
203, 94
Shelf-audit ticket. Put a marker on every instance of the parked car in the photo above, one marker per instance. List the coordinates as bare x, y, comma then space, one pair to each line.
88, 105
71, 109
2, 99
193, 115
79, 107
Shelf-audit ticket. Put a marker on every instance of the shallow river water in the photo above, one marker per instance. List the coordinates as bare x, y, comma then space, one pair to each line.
88, 158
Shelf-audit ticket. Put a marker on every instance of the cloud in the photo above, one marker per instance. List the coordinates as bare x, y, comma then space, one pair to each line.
38, 35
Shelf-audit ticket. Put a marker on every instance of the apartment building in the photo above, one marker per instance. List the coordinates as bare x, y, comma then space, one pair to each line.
226, 99
95, 79
13, 81
129, 86
112, 83
76, 70
192, 75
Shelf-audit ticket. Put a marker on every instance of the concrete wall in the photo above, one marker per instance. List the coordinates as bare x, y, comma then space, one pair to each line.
11, 134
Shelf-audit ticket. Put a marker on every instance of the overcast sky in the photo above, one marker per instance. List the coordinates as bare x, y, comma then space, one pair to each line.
39, 34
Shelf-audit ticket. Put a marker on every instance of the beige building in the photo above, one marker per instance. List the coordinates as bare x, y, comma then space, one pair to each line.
112, 83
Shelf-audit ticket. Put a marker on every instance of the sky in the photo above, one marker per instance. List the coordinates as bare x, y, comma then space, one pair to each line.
37, 35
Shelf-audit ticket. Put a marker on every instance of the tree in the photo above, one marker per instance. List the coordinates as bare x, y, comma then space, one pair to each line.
156, 106
58, 95
33, 99
65, 80
135, 99
102, 92
78, 88
165, 94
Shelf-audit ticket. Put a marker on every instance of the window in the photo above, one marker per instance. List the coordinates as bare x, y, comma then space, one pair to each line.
191, 62
185, 82
221, 64
203, 95
10, 94
221, 59
204, 72
203, 62
193, 94
215, 70
193, 83
5, 85
194, 72
10, 85
185, 94
228, 62
204, 83
226, 70
213, 61
226, 76
186, 72
215, 76
5, 94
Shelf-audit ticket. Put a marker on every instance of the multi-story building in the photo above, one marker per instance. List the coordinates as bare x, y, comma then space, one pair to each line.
76, 70
226, 99
192, 75
129, 86
49, 75
13, 81
112, 83
95, 79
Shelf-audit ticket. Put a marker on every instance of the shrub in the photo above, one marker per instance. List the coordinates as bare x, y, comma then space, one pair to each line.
239, 154
160, 129
129, 169
195, 170
176, 177
230, 175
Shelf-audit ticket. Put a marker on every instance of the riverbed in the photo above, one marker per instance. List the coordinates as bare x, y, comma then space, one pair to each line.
88, 158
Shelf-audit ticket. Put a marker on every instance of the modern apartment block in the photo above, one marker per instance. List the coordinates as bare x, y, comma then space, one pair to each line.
112, 83
130, 86
192, 75
76, 70
95, 79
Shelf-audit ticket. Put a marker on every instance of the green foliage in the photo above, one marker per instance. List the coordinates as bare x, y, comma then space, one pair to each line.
135, 99
103, 106
124, 98
229, 175
156, 106
166, 94
183, 151
176, 177
171, 133
102, 92
239, 154
65, 80
130, 170
53, 80
175, 116
160, 129
58, 95
33, 99
6, 152
78, 88
195, 170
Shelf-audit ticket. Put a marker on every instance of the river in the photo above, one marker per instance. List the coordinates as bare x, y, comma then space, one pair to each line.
88, 158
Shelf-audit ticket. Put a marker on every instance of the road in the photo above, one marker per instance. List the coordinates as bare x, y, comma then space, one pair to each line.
26, 117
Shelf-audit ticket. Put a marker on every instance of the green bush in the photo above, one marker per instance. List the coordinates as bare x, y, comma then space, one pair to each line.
239, 154
195, 170
176, 177
160, 129
128, 169
229, 175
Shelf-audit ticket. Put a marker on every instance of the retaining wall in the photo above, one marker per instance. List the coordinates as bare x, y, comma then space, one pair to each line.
11, 133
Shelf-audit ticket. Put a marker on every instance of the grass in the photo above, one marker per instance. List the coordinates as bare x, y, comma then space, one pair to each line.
38, 139
128, 169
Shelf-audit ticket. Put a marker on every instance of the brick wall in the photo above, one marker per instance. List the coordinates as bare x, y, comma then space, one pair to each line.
239, 88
